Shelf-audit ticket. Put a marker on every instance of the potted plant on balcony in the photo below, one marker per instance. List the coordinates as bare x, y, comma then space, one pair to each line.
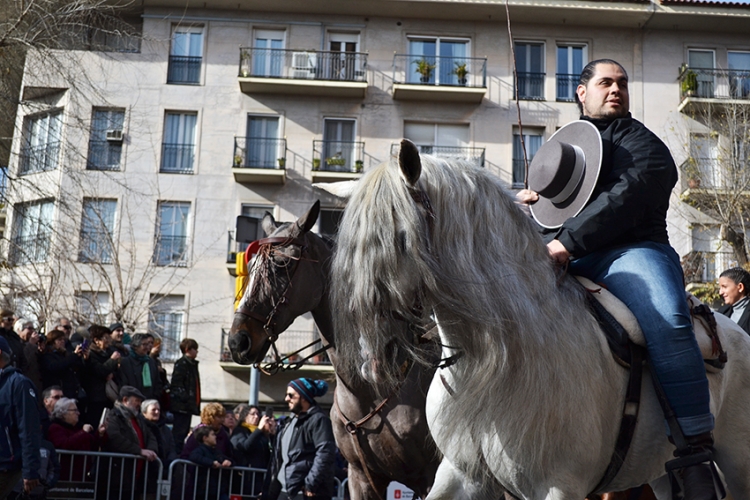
424, 68
282, 162
359, 166
461, 71
336, 160
244, 63
316, 164
237, 161
689, 83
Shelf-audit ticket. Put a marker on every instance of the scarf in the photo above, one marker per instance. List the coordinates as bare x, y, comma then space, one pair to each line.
251, 427
146, 372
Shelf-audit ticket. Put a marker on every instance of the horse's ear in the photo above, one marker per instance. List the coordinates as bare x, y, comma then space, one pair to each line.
268, 224
408, 160
307, 221
343, 189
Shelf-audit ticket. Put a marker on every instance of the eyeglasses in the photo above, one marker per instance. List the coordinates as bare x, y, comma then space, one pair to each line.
55, 397
67, 327
290, 395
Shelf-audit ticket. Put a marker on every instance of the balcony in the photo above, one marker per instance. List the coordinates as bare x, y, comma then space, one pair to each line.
705, 267
104, 155
472, 155
288, 342
704, 89
566, 87
177, 158
531, 86
703, 179
184, 70
337, 160
28, 249
41, 158
259, 160
418, 77
301, 72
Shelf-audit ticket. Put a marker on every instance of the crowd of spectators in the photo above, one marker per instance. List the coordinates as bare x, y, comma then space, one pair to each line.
101, 390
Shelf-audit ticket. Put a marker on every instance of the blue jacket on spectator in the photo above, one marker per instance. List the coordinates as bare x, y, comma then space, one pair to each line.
19, 420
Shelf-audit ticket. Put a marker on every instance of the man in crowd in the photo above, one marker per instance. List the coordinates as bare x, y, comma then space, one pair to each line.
63, 324
7, 319
139, 369
19, 419
303, 462
118, 339
185, 391
50, 396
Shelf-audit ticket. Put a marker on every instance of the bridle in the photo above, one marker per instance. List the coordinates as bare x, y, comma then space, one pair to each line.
264, 247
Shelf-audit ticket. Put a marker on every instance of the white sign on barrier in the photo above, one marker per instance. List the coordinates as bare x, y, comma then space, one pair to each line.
397, 491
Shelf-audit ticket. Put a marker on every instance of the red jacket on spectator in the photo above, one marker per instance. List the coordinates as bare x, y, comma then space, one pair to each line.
67, 437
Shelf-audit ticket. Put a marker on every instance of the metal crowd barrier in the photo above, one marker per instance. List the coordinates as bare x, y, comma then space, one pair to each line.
116, 476
99, 475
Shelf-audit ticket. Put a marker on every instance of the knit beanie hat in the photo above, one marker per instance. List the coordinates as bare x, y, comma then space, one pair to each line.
309, 388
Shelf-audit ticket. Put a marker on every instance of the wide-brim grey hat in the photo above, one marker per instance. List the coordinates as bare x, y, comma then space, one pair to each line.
564, 172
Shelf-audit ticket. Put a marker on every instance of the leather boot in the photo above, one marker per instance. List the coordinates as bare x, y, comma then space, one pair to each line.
698, 478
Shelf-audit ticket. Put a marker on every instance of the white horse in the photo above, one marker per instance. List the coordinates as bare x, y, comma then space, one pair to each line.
535, 398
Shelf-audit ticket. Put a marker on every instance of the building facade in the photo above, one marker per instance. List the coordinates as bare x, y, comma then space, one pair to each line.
132, 164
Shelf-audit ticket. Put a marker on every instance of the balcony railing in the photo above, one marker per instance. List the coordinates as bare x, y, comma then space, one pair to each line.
715, 83
302, 65
259, 152
288, 342
705, 267
711, 173
177, 158
531, 86
104, 155
473, 155
566, 86
420, 69
170, 251
39, 158
338, 156
96, 247
28, 249
184, 69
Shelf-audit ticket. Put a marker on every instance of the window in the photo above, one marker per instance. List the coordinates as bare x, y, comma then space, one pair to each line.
105, 143
165, 320
533, 141
171, 234
702, 63
339, 147
41, 143
32, 232
263, 146
178, 149
570, 62
710, 257
739, 74
186, 55
703, 163
343, 62
433, 60
93, 307
268, 53
97, 231
530, 64
328, 223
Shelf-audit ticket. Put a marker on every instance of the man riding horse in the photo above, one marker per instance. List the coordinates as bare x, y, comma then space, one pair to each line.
609, 225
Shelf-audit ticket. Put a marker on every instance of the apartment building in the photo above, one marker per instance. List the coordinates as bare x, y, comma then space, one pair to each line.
126, 185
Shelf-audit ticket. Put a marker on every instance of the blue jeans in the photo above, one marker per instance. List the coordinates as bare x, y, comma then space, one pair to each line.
648, 278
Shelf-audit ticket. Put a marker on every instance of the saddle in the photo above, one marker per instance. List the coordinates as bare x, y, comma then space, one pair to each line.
621, 327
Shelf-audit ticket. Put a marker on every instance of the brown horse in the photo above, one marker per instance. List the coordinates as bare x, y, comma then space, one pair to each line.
289, 277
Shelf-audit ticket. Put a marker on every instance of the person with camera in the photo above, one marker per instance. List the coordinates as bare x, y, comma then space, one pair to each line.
61, 367
102, 364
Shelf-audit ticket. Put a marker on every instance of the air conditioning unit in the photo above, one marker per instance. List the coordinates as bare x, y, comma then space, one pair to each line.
303, 65
114, 135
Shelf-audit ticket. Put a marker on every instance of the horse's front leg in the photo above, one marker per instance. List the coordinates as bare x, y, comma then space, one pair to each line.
452, 484
360, 488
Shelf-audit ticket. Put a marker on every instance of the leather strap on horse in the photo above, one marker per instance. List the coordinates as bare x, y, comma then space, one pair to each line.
353, 429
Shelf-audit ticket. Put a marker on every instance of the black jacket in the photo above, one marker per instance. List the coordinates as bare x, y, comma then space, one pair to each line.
744, 320
165, 441
61, 368
20, 430
251, 449
98, 367
15, 343
131, 373
630, 201
185, 386
312, 453
122, 437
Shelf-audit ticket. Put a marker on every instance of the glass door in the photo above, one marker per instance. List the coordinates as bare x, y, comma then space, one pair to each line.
338, 144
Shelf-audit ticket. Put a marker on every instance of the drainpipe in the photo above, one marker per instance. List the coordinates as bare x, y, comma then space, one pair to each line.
254, 386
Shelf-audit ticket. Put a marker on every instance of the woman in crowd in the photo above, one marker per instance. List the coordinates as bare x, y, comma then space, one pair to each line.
252, 444
30, 336
102, 365
65, 434
230, 423
212, 415
734, 287
61, 367
156, 422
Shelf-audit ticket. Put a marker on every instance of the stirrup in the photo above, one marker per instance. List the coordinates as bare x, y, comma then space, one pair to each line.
674, 472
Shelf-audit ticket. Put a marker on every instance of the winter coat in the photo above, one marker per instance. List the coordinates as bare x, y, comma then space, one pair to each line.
131, 373
61, 368
33, 369
165, 441
251, 448
631, 197
223, 444
209, 478
743, 322
15, 343
20, 434
122, 437
185, 386
98, 367
312, 453
49, 473
67, 437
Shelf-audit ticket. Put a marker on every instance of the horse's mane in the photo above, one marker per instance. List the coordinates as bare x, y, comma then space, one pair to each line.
485, 272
